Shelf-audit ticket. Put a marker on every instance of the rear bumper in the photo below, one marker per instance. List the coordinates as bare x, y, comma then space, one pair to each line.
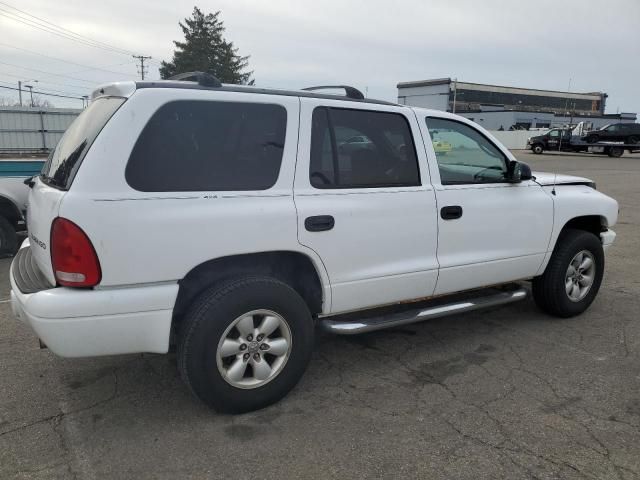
607, 237
86, 323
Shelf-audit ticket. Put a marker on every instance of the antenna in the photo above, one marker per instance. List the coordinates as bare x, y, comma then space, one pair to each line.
553, 189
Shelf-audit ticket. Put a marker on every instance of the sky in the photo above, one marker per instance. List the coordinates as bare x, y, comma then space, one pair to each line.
372, 45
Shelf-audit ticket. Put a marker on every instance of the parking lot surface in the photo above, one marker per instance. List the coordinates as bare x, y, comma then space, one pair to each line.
501, 393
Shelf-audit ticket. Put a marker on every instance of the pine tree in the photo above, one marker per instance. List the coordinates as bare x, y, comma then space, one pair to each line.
205, 49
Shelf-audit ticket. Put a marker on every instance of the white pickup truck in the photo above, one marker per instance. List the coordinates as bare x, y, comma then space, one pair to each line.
231, 221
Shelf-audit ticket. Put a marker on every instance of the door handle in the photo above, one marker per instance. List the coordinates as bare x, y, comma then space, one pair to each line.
451, 212
319, 223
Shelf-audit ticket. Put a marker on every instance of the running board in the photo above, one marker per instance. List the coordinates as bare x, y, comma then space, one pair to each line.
438, 307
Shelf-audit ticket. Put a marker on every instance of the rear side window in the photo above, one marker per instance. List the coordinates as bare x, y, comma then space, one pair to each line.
64, 160
209, 146
361, 149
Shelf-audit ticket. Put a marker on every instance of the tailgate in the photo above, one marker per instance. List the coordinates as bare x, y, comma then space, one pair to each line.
43, 205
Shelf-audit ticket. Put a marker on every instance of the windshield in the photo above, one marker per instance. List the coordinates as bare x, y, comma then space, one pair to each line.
64, 161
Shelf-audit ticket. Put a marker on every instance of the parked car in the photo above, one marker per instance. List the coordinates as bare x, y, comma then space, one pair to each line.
13, 200
349, 146
617, 132
224, 220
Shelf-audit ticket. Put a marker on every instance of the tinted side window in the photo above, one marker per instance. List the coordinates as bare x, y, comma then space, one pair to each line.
193, 145
465, 155
359, 148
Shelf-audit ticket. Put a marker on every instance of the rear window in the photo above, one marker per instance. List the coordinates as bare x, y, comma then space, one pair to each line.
64, 160
209, 146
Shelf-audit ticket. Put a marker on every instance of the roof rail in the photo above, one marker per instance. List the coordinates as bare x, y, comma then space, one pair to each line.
350, 92
202, 78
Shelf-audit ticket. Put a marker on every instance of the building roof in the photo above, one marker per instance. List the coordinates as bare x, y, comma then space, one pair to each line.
488, 87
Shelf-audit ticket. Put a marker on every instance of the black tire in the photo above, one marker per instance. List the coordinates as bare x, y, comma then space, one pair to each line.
549, 289
633, 139
8, 239
615, 152
207, 320
593, 139
538, 148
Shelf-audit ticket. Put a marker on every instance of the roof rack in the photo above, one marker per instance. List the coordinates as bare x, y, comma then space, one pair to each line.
202, 78
350, 92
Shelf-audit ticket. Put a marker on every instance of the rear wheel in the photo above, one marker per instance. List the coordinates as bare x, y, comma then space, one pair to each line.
633, 139
616, 151
245, 343
8, 239
592, 138
573, 276
537, 149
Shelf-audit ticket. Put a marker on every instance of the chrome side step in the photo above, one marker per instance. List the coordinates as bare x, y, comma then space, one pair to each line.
438, 307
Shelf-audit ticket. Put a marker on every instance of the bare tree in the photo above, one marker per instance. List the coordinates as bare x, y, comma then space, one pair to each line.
41, 102
8, 102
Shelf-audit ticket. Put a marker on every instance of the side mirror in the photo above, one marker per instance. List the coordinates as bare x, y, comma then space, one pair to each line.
525, 172
518, 172
30, 182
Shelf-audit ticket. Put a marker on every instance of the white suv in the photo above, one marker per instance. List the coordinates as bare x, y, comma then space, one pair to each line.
229, 221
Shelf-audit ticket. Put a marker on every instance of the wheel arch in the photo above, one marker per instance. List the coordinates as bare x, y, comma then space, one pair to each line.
9, 210
294, 268
594, 224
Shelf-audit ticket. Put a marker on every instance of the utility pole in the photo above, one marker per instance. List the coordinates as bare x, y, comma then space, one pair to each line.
20, 91
141, 59
30, 87
455, 94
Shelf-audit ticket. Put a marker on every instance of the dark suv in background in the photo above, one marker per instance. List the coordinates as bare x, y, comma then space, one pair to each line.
616, 132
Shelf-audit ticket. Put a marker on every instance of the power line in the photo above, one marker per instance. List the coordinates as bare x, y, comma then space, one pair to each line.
44, 28
104, 66
50, 27
64, 30
88, 67
21, 77
49, 73
43, 93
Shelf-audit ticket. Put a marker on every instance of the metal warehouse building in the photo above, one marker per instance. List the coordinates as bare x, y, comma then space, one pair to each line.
498, 107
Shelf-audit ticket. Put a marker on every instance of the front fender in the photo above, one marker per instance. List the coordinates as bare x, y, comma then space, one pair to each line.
574, 201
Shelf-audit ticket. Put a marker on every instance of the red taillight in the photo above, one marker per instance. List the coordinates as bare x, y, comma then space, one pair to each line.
75, 263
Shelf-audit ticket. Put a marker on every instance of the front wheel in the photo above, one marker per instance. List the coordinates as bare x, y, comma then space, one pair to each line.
245, 343
573, 276
537, 149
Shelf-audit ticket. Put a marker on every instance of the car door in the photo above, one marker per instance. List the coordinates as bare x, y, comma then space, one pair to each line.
489, 231
367, 208
553, 139
611, 133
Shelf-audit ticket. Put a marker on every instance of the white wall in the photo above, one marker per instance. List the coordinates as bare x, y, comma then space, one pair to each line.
516, 139
435, 97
